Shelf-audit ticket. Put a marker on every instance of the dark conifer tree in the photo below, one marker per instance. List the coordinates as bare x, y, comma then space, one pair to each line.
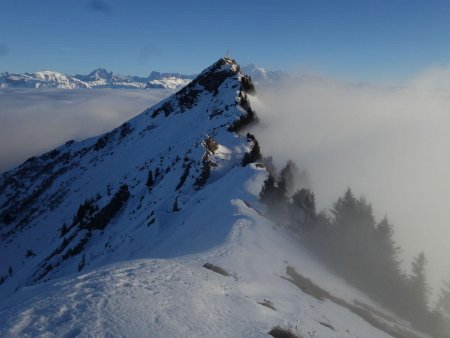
419, 290
150, 180
443, 303
281, 189
267, 194
304, 200
64, 229
288, 174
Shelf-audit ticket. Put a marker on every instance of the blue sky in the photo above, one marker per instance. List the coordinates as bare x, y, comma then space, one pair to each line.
361, 40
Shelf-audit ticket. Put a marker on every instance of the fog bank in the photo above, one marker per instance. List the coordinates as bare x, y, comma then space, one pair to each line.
389, 144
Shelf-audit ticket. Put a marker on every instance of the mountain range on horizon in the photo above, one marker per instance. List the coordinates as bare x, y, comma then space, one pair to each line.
102, 78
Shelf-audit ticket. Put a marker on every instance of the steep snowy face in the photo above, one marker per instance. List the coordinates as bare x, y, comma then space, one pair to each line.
99, 77
100, 74
136, 191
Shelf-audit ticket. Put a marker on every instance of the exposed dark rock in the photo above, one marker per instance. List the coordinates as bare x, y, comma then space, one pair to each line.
30, 253
102, 218
82, 264
244, 120
125, 129
187, 97
215, 112
247, 84
175, 207
267, 303
204, 175
150, 180
102, 142
77, 248
211, 144
165, 108
255, 152
85, 213
279, 332
184, 176
64, 230
216, 269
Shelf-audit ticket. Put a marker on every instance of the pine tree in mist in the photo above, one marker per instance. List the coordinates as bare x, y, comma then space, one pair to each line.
419, 290
418, 281
384, 236
273, 194
355, 246
442, 311
303, 208
354, 228
443, 303
281, 190
268, 193
353, 214
391, 288
288, 175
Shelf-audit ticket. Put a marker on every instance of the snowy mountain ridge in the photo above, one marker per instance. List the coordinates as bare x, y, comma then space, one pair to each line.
98, 78
156, 229
74, 183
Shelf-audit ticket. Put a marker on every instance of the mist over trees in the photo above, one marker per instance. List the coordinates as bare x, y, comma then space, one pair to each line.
353, 244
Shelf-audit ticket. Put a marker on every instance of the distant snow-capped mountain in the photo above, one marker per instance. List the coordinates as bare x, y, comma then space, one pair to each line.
98, 78
46, 78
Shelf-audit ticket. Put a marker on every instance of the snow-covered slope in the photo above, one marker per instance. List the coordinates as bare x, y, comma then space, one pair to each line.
169, 82
108, 236
179, 298
84, 201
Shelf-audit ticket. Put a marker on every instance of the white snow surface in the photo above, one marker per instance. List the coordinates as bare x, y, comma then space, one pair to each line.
169, 82
178, 298
142, 275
